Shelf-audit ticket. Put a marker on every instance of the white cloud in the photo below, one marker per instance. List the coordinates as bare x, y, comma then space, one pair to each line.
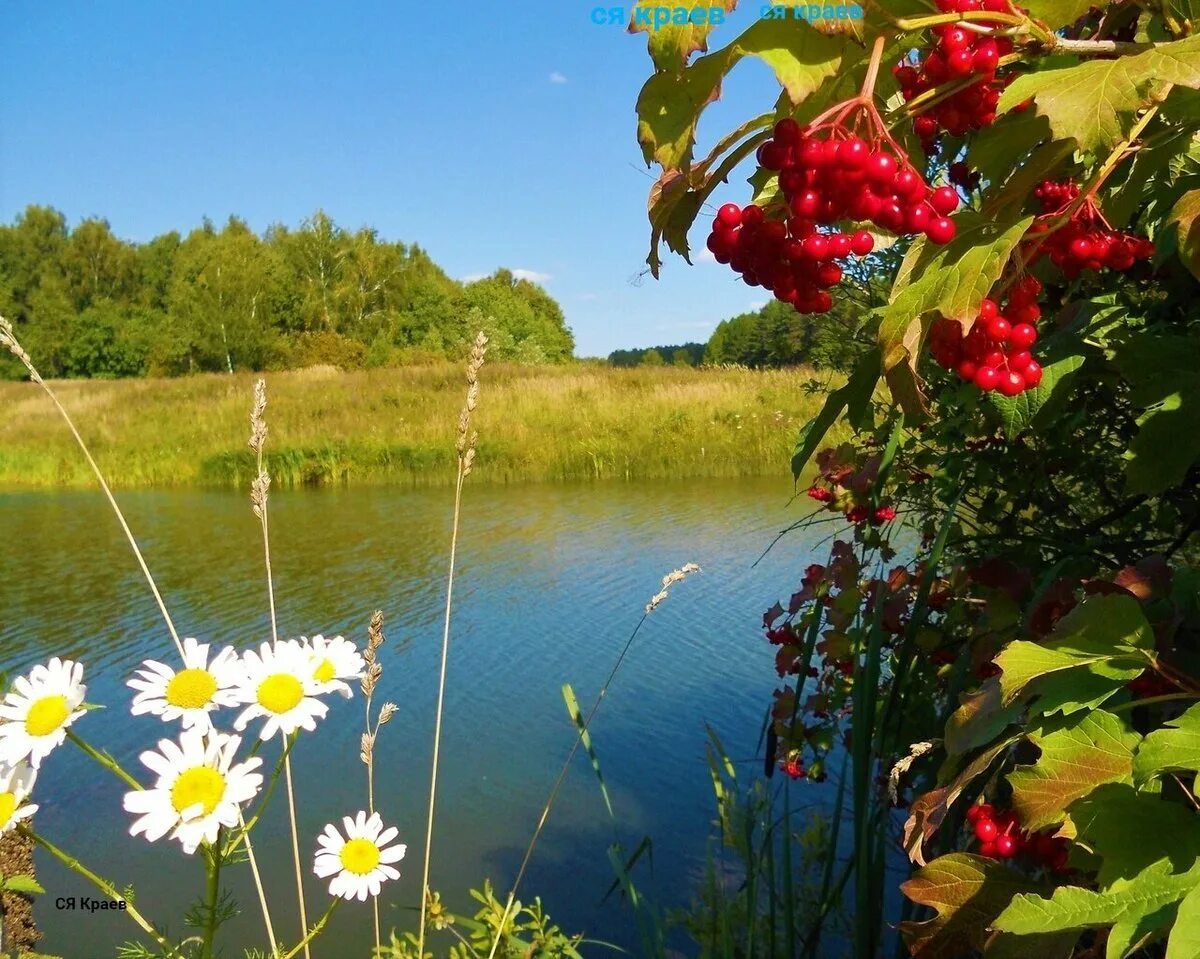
556, 77
757, 305
705, 256
473, 277
533, 276
588, 296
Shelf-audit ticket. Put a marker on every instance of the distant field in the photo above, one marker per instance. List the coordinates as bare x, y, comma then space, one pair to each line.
397, 426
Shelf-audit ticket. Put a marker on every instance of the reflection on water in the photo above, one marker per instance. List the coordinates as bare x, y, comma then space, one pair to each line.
551, 581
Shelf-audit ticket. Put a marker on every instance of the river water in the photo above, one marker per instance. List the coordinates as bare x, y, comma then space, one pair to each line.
551, 581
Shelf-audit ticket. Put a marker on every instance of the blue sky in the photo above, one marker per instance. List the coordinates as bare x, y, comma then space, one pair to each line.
491, 134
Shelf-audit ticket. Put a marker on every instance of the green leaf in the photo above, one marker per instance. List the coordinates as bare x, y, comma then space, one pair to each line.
967, 893
1172, 749
672, 45
585, 738
670, 104
1058, 13
998, 149
1054, 945
1128, 937
1185, 936
979, 718
1014, 194
852, 398
1093, 103
1072, 907
1164, 372
951, 280
24, 884
1186, 217
1078, 754
1130, 830
1017, 412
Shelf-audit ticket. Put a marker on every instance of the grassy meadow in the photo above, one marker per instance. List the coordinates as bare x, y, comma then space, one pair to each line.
544, 423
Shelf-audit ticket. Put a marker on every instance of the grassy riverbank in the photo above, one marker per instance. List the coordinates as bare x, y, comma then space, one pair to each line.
397, 426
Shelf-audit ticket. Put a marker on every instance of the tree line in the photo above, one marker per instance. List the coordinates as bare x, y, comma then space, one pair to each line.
89, 304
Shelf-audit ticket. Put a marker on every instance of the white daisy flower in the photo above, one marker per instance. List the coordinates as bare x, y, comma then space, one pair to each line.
359, 862
277, 682
16, 783
199, 789
333, 661
191, 693
36, 713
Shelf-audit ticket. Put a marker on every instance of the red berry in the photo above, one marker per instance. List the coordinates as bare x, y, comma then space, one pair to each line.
986, 830
1006, 846
852, 153
998, 329
730, 215
945, 200
1019, 362
985, 56
1032, 374
881, 168
940, 230
988, 309
1012, 384
862, 243
788, 131
988, 850
987, 378
1022, 336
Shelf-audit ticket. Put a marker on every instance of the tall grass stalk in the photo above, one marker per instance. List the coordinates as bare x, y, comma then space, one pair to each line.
370, 679
465, 447
581, 738
259, 494
8, 339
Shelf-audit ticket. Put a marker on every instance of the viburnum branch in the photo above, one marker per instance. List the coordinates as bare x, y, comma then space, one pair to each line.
984, 16
868, 87
1095, 48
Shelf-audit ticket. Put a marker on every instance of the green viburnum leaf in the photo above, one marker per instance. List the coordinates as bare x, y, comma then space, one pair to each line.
671, 45
1186, 217
1072, 907
968, 893
1172, 749
997, 150
670, 104
1184, 942
1008, 200
1017, 413
979, 718
1052, 945
1093, 103
1079, 753
1164, 372
852, 398
1058, 13
951, 280
1127, 937
1107, 633
1130, 830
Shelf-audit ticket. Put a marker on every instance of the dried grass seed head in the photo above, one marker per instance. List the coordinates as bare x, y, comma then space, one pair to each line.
673, 577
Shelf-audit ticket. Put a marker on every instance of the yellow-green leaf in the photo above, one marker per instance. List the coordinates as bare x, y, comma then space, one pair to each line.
1176, 747
1186, 217
671, 45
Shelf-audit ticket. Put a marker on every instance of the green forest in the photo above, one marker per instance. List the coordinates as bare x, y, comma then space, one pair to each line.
89, 304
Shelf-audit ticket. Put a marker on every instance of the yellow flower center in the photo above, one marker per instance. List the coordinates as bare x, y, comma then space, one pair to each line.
360, 856
200, 785
8, 806
280, 692
191, 689
46, 715
325, 672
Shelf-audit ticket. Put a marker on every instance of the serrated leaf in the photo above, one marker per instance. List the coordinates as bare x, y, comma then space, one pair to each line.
1072, 907
671, 45
1165, 374
23, 884
670, 104
1172, 749
1017, 412
1078, 754
1058, 13
850, 398
1129, 830
1093, 103
1185, 214
967, 892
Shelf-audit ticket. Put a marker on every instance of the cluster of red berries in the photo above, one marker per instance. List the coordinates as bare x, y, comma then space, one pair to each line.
858, 513
958, 54
1086, 242
994, 355
793, 766
1001, 837
826, 176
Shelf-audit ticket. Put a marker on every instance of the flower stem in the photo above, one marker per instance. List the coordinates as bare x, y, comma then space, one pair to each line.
314, 931
104, 886
262, 896
104, 760
212, 869
291, 798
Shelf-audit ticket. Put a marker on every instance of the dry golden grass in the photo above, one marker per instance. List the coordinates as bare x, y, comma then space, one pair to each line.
399, 425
